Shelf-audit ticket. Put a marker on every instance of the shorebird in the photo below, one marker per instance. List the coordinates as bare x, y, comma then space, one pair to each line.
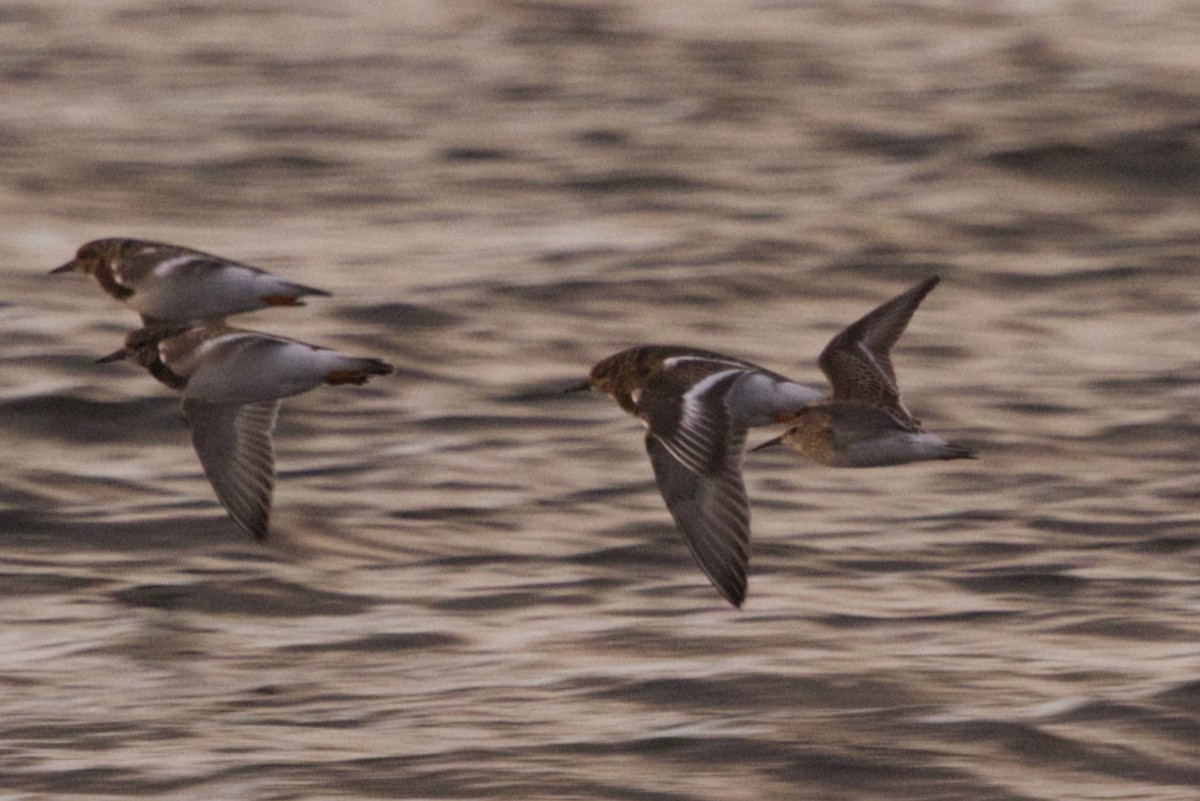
864, 423
172, 284
697, 406
232, 381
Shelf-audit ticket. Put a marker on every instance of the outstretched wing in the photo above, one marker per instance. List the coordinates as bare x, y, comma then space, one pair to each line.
234, 445
858, 361
696, 453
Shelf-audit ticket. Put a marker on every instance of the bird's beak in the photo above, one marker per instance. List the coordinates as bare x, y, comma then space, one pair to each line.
66, 268
584, 387
115, 356
771, 443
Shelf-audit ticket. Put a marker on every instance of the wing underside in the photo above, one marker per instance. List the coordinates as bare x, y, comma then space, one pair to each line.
234, 445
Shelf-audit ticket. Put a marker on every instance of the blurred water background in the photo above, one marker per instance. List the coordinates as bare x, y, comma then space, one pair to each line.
473, 589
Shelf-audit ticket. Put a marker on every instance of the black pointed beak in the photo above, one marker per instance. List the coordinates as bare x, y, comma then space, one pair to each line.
115, 356
584, 387
771, 443
66, 268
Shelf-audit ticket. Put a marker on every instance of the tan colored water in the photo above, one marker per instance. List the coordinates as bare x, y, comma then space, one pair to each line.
474, 590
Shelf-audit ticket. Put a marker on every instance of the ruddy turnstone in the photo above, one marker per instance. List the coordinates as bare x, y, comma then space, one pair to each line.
232, 381
697, 406
172, 284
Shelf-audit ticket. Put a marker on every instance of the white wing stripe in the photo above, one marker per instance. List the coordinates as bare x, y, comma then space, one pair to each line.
870, 357
164, 268
693, 406
671, 363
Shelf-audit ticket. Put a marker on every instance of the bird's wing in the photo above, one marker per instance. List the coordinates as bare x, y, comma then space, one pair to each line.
696, 453
234, 445
858, 361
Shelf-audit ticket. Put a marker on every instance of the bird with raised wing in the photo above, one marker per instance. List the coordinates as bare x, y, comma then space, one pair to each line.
863, 423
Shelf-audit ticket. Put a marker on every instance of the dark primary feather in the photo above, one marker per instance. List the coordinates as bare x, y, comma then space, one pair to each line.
858, 360
697, 457
711, 512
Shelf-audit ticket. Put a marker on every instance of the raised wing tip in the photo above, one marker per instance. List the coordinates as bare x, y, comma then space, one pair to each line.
918, 292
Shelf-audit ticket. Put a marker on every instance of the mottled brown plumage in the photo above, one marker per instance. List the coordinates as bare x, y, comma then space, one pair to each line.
864, 423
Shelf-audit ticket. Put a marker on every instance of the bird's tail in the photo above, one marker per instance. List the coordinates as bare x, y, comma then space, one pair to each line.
953, 451
358, 371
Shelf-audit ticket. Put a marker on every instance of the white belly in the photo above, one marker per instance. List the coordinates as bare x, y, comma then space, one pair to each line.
254, 374
205, 294
760, 400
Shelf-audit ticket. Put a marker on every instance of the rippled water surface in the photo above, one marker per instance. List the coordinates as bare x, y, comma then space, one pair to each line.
473, 589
